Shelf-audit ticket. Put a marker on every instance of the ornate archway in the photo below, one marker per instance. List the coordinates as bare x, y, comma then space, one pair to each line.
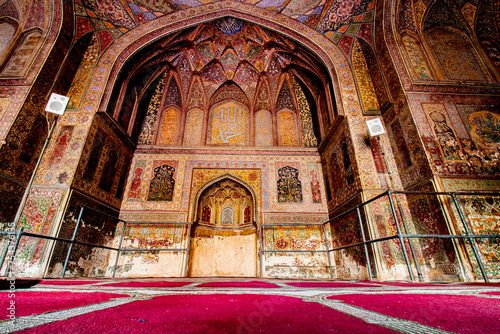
224, 238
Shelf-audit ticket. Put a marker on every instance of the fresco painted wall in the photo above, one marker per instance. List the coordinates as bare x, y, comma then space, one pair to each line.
260, 173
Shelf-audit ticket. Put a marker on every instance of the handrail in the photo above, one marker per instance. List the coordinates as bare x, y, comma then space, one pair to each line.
20, 233
403, 237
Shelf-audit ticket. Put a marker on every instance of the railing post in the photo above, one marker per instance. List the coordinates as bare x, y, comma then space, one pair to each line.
261, 227
72, 242
119, 248
327, 251
471, 240
412, 249
187, 250
19, 234
368, 266
401, 240
5, 250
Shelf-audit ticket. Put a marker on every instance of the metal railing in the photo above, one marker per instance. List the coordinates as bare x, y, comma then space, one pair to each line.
402, 236
20, 233
262, 251
469, 236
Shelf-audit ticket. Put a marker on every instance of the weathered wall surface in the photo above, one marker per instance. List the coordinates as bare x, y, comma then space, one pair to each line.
223, 256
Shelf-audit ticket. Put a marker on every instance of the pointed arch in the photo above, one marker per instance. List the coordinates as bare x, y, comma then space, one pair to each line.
231, 91
196, 94
8, 31
168, 128
455, 65
285, 98
172, 93
220, 178
23, 55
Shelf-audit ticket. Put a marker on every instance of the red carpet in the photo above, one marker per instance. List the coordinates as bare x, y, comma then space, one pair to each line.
59, 282
408, 284
213, 314
253, 284
493, 293
32, 302
459, 314
152, 284
330, 285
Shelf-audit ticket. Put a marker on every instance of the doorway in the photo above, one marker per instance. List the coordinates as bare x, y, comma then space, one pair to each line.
224, 234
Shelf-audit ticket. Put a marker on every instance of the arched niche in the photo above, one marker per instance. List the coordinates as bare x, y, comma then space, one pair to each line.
226, 204
193, 128
319, 47
168, 127
224, 233
8, 30
415, 58
263, 128
288, 132
455, 55
25, 51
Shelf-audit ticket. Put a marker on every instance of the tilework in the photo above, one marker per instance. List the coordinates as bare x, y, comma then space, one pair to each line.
468, 157
419, 9
365, 83
149, 124
313, 169
323, 16
306, 123
482, 218
263, 132
197, 96
193, 172
83, 73
194, 126
417, 59
455, 55
168, 127
284, 264
204, 8
289, 187
162, 185
37, 216
287, 128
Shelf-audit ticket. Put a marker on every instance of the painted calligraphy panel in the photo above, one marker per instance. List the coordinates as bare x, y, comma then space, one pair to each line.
228, 124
